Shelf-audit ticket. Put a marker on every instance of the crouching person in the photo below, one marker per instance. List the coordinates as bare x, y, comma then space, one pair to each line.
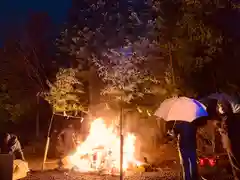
11, 145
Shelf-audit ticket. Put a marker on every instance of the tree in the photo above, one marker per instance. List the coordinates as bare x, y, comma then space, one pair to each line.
124, 70
35, 45
112, 28
16, 96
207, 36
227, 61
187, 39
25, 58
66, 94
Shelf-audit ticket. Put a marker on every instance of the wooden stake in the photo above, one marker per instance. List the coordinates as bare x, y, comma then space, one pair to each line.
47, 142
45, 153
121, 141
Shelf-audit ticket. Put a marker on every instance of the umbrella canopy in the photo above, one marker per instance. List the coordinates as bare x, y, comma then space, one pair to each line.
225, 97
181, 109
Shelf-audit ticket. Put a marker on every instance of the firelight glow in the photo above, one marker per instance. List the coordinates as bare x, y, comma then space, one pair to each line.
102, 146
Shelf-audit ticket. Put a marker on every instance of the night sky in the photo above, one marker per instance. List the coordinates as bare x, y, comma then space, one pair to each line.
15, 12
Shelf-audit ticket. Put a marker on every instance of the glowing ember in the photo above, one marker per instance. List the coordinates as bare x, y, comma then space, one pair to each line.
101, 150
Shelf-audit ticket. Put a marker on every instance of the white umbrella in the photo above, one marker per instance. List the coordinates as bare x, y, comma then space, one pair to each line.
181, 109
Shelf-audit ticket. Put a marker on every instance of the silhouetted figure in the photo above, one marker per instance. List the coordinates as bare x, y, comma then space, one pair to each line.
186, 134
227, 124
187, 146
230, 124
11, 145
67, 142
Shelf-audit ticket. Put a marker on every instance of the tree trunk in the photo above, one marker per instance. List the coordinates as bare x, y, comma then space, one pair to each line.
37, 118
171, 63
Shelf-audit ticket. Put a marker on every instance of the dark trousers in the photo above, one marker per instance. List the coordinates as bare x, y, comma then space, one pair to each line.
188, 159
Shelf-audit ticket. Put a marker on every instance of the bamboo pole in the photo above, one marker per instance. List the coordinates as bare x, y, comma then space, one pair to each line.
47, 142
121, 141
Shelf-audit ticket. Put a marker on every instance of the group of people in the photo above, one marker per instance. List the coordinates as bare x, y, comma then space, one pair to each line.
10, 144
227, 124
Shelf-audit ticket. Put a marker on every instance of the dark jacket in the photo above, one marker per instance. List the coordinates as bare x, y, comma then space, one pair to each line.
13, 146
187, 135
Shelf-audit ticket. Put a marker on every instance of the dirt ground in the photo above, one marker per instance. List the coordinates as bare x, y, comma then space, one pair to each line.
165, 156
56, 175
35, 159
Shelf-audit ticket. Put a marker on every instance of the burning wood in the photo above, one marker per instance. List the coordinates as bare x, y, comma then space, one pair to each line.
101, 150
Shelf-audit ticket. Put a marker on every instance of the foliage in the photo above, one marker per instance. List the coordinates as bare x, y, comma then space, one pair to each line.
8, 107
187, 39
111, 40
66, 94
124, 71
100, 25
160, 61
16, 97
24, 67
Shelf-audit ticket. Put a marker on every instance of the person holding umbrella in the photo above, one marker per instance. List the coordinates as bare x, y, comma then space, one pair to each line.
183, 112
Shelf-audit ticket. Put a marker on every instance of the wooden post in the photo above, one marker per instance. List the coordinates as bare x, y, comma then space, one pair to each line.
47, 142
37, 118
121, 140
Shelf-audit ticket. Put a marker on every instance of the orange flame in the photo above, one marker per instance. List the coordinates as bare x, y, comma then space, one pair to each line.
102, 147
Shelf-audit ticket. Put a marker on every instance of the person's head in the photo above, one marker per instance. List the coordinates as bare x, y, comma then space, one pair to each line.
5, 137
224, 107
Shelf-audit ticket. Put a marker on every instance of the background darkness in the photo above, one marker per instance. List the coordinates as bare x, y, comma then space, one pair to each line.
15, 13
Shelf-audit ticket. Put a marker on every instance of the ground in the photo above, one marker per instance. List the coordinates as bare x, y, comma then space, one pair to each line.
166, 175
165, 157
54, 175
34, 156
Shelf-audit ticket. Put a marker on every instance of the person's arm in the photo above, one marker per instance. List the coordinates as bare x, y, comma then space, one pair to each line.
61, 133
12, 145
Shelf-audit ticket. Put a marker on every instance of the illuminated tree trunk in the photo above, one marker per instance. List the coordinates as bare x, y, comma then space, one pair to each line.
94, 89
171, 63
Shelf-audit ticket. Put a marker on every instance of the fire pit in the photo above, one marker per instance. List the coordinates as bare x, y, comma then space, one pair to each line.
100, 152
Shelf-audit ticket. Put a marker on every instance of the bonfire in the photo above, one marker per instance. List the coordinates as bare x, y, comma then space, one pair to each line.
101, 150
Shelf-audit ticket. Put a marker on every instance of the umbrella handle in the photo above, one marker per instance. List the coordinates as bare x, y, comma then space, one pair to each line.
172, 129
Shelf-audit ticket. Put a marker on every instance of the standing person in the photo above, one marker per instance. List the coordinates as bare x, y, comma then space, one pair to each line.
233, 124
185, 112
228, 127
67, 142
187, 143
11, 145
